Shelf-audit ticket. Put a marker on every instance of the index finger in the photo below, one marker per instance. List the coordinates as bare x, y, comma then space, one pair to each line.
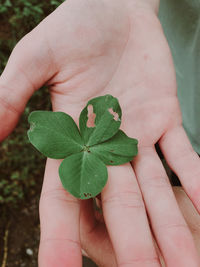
59, 217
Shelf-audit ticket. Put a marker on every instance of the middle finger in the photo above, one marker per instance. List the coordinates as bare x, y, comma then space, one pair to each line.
126, 219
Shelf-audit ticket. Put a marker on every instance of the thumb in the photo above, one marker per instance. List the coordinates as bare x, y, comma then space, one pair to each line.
28, 68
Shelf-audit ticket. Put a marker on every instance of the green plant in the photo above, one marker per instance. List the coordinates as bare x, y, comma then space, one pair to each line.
18, 17
21, 169
86, 152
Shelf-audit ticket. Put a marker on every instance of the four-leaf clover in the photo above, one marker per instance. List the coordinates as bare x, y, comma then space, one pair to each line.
87, 151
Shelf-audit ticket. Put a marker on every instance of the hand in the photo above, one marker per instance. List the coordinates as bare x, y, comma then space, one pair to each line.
102, 252
90, 48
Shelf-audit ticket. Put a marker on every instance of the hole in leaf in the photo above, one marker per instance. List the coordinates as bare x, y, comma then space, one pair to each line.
91, 117
115, 114
32, 126
87, 194
111, 161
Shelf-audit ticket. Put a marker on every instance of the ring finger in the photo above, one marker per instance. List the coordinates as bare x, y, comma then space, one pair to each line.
171, 231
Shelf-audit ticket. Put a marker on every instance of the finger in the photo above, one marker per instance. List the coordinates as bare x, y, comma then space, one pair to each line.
59, 218
170, 229
94, 237
184, 161
126, 219
190, 214
28, 68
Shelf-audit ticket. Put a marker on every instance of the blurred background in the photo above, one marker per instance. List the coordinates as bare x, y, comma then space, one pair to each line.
21, 166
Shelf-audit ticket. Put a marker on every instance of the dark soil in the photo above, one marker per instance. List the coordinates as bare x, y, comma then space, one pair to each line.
19, 228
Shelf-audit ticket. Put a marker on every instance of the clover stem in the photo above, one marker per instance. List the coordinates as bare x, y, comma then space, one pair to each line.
86, 148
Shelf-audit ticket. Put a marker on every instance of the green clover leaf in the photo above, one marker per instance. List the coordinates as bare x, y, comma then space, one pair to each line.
105, 125
83, 175
117, 150
54, 134
86, 153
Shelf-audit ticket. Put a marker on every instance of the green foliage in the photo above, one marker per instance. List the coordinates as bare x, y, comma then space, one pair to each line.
83, 175
117, 150
21, 169
105, 126
83, 171
19, 17
50, 134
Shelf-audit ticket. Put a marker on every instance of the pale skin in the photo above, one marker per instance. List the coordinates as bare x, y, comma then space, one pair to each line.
97, 244
96, 47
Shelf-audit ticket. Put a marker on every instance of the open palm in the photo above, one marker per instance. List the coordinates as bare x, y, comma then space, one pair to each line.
90, 48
